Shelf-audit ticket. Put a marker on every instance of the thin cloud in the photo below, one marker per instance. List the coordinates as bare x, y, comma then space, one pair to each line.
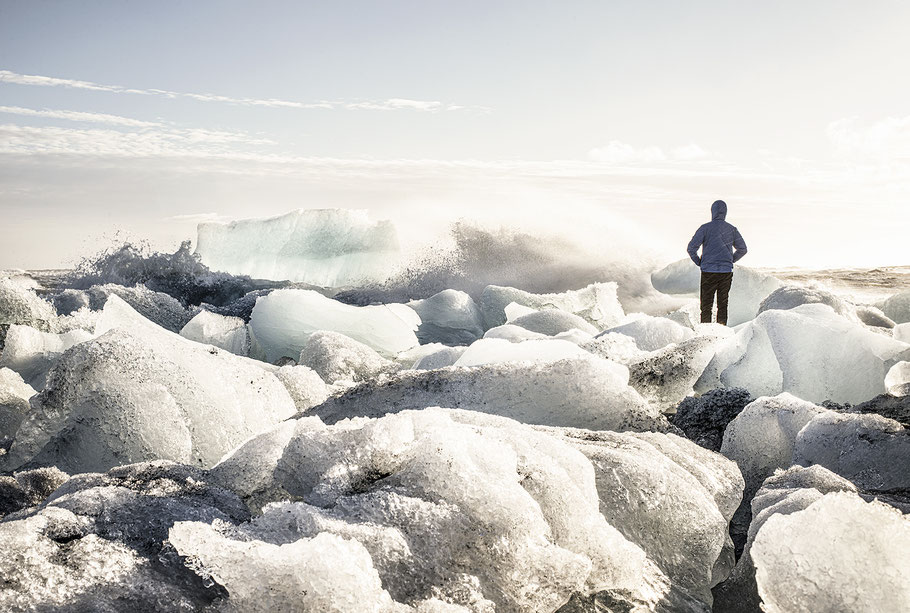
390, 104
116, 120
618, 152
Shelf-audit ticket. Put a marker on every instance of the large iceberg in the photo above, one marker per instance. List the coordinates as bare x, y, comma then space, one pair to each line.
325, 247
283, 320
139, 392
748, 290
808, 351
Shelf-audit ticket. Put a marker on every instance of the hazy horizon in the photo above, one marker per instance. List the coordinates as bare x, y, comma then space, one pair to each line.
618, 119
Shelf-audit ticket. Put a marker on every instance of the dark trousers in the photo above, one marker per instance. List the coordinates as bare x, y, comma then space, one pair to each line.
711, 283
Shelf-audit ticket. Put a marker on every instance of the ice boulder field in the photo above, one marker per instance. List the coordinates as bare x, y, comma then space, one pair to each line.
298, 417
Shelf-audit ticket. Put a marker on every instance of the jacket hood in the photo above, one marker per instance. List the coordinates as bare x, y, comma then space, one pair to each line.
718, 210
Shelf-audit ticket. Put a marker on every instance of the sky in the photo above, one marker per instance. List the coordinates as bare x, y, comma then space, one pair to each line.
613, 119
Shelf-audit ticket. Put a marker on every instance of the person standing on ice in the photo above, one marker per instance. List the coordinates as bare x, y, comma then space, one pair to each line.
721, 245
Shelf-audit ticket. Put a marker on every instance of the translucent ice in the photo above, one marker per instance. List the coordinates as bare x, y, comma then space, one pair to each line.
808, 351
228, 333
512, 333
450, 503
749, 287
586, 392
283, 320
553, 321
668, 496
14, 396
304, 385
870, 450
336, 357
762, 438
32, 353
784, 492
20, 305
901, 332
143, 394
790, 296
596, 303
668, 375
495, 350
652, 333
158, 307
326, 247
450, 317
839, 554
323, 573
897, 307
440, 357
897, 381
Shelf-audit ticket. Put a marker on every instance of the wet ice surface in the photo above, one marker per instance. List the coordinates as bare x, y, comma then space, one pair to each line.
494, 449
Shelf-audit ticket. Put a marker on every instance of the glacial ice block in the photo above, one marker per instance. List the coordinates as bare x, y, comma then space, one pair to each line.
228, 333
325, 247
496, 350
14, 406
897, 381
336, 357
139, 392
462, 506
283, 320
748, 290
653, 333
897, 307
839, 554
808, 351
19, 304
597, 303
32, 353
792, 296
552, 322
450, 317
587, 392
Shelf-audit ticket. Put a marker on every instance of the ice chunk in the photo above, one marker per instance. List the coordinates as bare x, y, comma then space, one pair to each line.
839, 554
158, 307
512, 333
808, 351
688, 316
20, 305
440, 357
145, 394
28, 488
783, 493
897, 307
336, 357
616, 347
897, 381
283, 321
667, 376
748, 290
514, 310
791, 296
96, 543
873, 316
32, 353
552, 322
325, 573
14, 396
304, 385
228, 333
326, 247
596, 303
450, 317
444, 500
586, 392
652, 333
762, 438
687, 538
901, 332
870, 450
495, 350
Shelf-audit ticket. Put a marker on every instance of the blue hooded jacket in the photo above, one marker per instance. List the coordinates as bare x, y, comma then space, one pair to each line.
721, 243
